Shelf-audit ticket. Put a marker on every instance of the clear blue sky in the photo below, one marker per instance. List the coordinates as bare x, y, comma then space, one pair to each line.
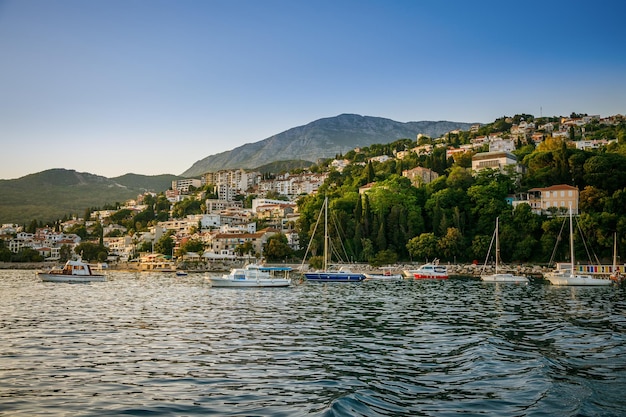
151, 86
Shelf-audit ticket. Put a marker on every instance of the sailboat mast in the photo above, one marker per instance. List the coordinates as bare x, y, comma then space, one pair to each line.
325, 233
497, 242
571, 238
615, 252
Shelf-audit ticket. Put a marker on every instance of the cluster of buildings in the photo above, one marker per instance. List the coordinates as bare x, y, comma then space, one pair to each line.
227, 229
230, 183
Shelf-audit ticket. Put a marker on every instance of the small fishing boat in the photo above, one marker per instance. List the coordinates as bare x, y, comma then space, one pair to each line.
431, 271
253, 276
500, 276
74, 271
386, 275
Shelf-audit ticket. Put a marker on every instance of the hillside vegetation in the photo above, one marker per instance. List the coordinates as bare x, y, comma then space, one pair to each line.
55, 193
453, 217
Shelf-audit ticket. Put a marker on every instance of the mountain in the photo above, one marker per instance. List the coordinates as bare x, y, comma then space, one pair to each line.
323, 138
52, 194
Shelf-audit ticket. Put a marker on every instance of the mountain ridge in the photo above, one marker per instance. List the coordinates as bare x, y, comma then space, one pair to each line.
321, 138
57, 192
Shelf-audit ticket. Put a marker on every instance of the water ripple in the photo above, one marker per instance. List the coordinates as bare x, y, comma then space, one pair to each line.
155, 344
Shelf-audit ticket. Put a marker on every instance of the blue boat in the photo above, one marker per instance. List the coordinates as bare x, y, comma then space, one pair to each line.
343, 274
334, 276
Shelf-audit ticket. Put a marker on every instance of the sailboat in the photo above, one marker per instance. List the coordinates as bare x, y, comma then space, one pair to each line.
616, 275
565, 275
500, 276
325, 275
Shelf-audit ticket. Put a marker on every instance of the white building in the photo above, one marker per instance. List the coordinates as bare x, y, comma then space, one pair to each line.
494, 160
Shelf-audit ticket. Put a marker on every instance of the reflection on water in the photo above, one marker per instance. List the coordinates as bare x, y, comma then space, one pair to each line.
156, 344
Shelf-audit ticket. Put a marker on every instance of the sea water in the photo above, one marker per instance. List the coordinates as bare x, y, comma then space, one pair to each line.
148, 344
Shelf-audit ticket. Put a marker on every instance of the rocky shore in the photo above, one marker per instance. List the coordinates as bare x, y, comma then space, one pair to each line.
472, 269
453, 269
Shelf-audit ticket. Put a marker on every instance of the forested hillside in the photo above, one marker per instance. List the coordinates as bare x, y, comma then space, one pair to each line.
453, 217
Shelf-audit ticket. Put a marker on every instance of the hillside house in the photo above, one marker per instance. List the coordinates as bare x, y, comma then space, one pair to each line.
420, 176
494, 160
560, 196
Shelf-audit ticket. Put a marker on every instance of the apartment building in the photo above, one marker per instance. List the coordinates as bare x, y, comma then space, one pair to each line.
230, 183
183, 185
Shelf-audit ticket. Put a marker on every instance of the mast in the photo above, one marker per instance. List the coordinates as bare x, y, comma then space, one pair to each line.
615, 253
325, 233
497, 242
571, 238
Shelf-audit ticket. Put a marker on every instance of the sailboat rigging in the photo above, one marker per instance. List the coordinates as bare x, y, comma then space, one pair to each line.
566, 275
499, 276
326, 274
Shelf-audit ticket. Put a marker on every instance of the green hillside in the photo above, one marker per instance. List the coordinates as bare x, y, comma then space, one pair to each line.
52, 194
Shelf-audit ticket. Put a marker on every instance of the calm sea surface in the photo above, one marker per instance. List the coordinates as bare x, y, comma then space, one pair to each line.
156, 344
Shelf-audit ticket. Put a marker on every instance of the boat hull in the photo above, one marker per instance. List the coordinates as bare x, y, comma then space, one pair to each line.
383, 277
78, 279
504, 278
249, 282
333, 277
576, 280
420, 275
431, 271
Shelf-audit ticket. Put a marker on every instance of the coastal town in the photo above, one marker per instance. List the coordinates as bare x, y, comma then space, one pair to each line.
226, 232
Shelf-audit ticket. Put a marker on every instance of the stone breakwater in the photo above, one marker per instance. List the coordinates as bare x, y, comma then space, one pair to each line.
471, 269
453, 269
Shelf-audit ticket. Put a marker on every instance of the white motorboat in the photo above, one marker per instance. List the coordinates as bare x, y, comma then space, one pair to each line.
564, 273
500, 276
431, 271
253, 276
74, 271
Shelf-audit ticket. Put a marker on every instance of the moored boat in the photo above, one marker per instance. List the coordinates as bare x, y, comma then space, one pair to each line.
431, 271
386, 275
500, 276
616, 275
253, 276
343, 274
564, 273
74, 271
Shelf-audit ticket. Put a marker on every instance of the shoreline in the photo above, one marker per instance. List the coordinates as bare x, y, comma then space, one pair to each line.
453, 269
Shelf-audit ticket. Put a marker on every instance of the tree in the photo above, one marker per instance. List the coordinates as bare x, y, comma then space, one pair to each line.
423, 246
244, 248
165, 245
451, 245
192, 245
384, 257
90, 251
277, 248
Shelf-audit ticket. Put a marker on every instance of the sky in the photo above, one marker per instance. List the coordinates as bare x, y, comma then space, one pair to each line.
149, 87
